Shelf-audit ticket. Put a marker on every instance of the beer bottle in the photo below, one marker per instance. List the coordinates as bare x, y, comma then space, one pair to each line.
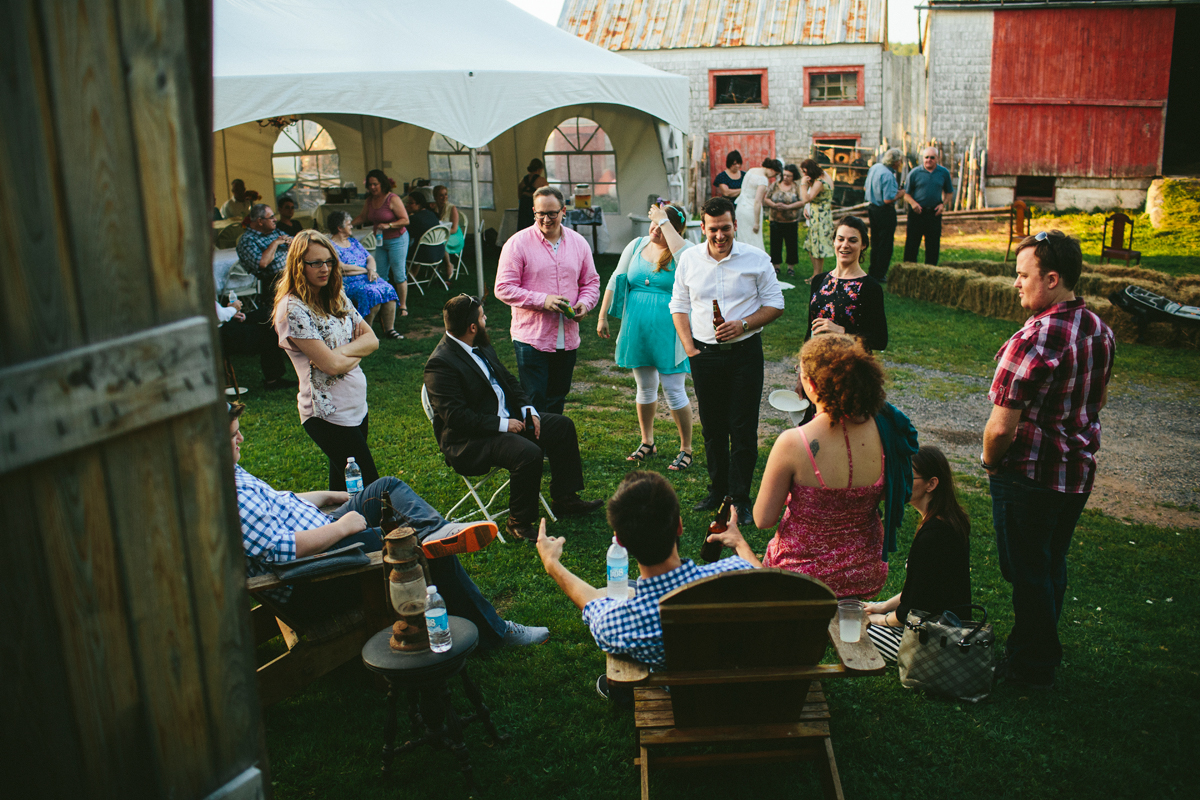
718, 319
530, 432
387, 517
711, 551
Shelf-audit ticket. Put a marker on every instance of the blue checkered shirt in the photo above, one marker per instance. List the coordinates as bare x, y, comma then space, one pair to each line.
270, 520
633, 627
252, 245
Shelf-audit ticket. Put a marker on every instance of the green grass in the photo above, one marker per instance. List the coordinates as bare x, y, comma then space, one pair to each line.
1121, 723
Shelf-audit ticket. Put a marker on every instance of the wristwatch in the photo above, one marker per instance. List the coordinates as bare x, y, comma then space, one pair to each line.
745, 325
987, 466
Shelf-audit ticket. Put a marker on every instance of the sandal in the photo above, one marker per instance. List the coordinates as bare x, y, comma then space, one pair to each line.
643, 452
681, 462
403, 312
791, 272
392, 333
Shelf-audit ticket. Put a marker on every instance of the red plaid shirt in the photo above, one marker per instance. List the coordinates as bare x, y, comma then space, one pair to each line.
1054, 370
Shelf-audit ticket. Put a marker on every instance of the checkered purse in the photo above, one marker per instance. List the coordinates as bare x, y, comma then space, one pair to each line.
942, 655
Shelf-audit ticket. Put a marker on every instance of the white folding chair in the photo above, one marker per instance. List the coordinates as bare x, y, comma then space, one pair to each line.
432, 237
485, 509
464, 224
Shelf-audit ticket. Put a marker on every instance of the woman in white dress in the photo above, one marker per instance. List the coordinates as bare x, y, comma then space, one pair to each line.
755, 182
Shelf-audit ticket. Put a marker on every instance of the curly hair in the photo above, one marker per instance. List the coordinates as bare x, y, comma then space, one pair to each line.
847, 378
326, 301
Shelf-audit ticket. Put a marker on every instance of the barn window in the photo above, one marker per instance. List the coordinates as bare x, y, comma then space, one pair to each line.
450, 166
305, 160
833, 86
737, 87
1035, 187
579, 151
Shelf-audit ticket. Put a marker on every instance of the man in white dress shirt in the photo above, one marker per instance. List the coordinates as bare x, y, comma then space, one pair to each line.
726, 359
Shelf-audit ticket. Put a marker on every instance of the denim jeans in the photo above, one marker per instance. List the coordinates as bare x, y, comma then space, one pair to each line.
1033, 534
391, 259
545, 377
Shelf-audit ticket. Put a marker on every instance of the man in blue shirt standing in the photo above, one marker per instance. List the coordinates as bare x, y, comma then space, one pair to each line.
882, 193
929, 190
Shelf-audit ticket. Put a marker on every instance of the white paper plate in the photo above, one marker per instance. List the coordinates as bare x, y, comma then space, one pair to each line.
787, 400
231, 392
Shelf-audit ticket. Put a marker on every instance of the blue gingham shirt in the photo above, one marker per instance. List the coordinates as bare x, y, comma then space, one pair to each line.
633, 627
252, 245
270, 520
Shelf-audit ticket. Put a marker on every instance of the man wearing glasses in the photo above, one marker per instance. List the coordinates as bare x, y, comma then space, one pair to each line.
1040, 443
547, 276
927, 192
262, 249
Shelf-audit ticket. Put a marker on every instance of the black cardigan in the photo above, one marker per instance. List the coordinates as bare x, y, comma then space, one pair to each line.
855, 304
938, 574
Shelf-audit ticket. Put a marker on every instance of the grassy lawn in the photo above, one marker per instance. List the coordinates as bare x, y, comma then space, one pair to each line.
1120, 723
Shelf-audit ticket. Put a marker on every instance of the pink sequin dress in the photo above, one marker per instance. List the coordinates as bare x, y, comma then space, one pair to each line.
833, 535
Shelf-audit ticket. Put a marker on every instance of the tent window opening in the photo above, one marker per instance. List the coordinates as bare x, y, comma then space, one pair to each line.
579, 151
305, 161
450, 166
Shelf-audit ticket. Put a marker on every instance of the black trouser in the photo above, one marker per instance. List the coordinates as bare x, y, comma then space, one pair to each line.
729, 385
255, 337
785, 232
883, 238
929, 225
339, 443
523, 460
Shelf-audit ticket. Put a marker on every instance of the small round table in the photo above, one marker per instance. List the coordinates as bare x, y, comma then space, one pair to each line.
425, 676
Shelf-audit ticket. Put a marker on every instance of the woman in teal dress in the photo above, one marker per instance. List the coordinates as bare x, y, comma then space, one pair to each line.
639, 293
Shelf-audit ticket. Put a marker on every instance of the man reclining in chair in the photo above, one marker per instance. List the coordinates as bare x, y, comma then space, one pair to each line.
283, 526
644, 515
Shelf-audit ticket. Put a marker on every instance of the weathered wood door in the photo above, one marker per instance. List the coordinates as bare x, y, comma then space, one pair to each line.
753, 145
125, 661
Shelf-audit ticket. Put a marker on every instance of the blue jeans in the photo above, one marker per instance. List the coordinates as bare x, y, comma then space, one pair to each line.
1033, 534
462, 596
545, 377
391, 259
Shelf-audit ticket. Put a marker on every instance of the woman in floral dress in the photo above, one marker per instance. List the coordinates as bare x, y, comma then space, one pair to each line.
816, 189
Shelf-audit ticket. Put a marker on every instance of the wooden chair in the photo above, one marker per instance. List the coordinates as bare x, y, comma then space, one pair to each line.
1018, 225
742, 652
317, 643
1116, 247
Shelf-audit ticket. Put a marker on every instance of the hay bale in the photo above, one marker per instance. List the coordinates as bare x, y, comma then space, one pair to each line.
993, 297
940, 285
1136, 273
1103, 286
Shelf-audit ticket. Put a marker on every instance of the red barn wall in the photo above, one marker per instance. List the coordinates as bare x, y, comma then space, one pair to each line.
1079, 92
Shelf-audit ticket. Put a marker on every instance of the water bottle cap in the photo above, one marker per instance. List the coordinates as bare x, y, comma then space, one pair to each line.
618, 544
350, 460
431, 589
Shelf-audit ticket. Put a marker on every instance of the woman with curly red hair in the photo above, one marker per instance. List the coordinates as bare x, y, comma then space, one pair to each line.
830, 473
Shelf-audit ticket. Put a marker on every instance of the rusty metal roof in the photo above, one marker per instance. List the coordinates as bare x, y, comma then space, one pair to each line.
671, 24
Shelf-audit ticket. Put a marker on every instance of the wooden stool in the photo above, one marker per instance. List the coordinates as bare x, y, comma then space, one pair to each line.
425, 677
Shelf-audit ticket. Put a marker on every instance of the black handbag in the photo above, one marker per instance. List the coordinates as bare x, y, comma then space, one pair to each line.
946, 656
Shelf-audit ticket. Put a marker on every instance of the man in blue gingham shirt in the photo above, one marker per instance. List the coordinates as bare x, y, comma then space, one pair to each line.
644, 514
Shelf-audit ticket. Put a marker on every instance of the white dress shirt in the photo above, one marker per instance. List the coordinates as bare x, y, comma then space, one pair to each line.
742, 283
487, 370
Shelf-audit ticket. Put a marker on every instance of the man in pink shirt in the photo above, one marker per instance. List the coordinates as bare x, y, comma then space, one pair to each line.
547, 276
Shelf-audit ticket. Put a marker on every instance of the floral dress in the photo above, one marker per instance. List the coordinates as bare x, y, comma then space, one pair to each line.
337, 399
819, 242
362, 291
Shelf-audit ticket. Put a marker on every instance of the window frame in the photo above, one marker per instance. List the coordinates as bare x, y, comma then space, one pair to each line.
298, 154
581, 151
713, 74
459, 149
857, 69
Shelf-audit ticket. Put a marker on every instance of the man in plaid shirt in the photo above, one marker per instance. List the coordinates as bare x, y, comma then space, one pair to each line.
1040, 443
644, 515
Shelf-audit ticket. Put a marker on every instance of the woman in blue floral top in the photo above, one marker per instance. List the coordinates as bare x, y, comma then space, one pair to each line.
360, 281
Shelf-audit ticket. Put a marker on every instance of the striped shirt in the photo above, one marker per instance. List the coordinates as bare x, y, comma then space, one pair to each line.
1054, 370
633, 627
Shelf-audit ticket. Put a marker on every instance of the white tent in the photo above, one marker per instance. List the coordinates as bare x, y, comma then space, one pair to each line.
468, 69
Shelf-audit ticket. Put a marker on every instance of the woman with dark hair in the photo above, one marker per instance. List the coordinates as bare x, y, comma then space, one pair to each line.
749, 203
285, 220
423, 216
386, 213
938, 573
360, 280
846, 299
728, 182
648, 343
785, 204
829, 474
532, 181
816, 190
326, 338
447, 212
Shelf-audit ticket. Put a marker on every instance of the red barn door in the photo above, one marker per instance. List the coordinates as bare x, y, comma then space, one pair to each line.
753, 145
1079, 91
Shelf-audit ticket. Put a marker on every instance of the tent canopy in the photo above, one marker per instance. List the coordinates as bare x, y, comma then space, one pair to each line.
468, 69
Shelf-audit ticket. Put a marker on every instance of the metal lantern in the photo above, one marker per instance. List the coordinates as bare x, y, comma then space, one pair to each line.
407, 576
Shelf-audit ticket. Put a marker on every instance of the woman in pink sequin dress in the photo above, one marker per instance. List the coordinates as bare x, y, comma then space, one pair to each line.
829, 474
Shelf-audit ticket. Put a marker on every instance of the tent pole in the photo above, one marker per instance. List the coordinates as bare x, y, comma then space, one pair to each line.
478, 224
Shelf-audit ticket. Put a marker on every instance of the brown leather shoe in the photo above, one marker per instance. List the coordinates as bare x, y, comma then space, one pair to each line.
573, 504
521, 530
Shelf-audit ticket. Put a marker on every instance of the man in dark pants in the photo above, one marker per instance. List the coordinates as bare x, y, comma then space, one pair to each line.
882, 193
928, 191
1040, 444
253, 335
479, 410
726, 359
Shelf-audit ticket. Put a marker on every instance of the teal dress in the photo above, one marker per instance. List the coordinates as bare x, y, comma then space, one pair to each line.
648, 337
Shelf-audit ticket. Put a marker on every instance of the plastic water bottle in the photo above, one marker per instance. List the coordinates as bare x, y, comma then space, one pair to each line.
353, 477
618, 571
437, 621
232, 298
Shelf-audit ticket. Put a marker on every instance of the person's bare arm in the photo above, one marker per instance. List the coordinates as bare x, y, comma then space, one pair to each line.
550, 548
883, 608
453, 220
268, 255
778, 477
683, 326
318, 540
675, 242
320, 499
809, 193
328, 361
759, 194
999, 433
363, 344
733, 328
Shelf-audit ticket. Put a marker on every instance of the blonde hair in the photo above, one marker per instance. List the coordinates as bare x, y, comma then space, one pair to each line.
327, 301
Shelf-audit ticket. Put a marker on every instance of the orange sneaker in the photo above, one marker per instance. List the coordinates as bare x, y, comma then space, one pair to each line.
459, 537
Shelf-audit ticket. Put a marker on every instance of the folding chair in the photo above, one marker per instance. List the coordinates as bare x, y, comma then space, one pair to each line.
464, 225
485, 509
432, 237
1018, 225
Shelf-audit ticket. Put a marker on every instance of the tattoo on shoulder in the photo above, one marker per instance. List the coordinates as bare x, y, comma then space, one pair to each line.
815, 446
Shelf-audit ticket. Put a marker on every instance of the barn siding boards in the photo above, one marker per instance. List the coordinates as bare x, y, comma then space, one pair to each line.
960, 72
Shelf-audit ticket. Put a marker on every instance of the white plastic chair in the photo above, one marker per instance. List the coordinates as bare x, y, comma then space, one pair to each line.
485, 509
432, 237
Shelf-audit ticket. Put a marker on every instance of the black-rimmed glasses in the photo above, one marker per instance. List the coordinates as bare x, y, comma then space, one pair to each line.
546, 214
328, 262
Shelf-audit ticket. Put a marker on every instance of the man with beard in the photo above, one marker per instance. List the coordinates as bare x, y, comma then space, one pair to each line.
479, 413
726, 358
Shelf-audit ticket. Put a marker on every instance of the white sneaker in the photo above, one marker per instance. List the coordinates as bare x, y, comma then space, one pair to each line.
518, 634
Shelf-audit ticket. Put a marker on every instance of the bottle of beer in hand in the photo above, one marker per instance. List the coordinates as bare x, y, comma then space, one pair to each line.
530, 432
718, 318
387, 517
711, 551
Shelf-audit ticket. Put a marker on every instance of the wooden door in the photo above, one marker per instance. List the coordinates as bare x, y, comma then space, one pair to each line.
753, 145
125, 659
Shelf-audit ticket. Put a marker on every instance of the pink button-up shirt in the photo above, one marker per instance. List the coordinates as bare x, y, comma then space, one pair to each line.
530, 271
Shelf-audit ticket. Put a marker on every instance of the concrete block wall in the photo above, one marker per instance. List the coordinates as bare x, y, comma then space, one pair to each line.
793, 122
960, 74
